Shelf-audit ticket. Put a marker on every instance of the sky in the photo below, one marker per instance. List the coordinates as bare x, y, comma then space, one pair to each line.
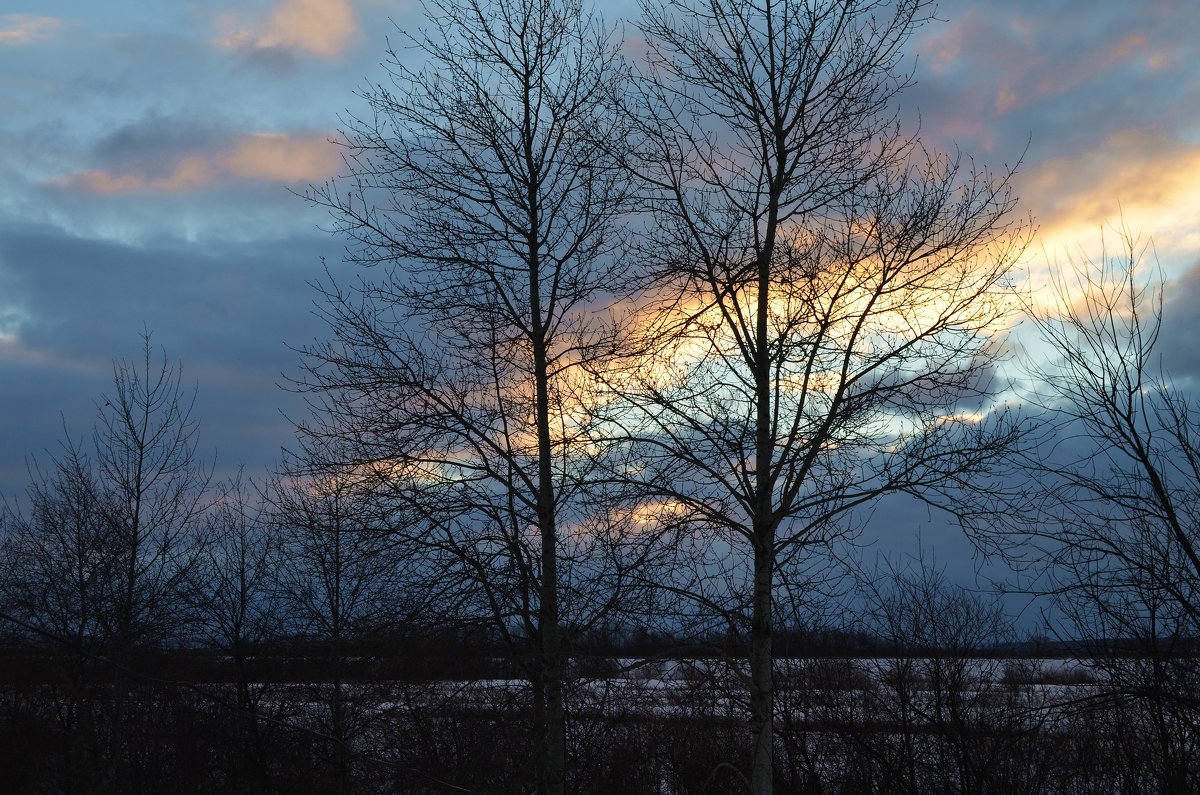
150, 154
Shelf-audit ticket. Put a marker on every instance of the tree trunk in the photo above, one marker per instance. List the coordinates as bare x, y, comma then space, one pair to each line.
762, 693
762, 688
552, 769
553, 728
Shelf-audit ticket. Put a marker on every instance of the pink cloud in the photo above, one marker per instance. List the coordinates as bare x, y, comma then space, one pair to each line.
1032, 57
265, 157
1006, 98
18, 29
322, 27
1130, 46
97, 181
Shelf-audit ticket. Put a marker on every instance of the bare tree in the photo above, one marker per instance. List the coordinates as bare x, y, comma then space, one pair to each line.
339, 579
487, 187
825, 299
153, 490
239, 612
57, 567
955, 723
1114, 526
153, 496
105, 556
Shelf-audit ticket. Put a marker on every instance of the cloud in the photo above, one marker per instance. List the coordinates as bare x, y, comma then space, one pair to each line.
280, 158
15, 351
18, 29
321, 27
157, 140
264, 156
1026, 56
1181, 318
1054, 75
1144, 177
225, 310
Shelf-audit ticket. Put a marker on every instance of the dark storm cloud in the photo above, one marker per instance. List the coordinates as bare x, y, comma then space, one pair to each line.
1180, 344
224, 311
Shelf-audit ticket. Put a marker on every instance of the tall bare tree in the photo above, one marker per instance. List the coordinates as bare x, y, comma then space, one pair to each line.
1116, 531
487, 187
825, 298
153, 497
154, 487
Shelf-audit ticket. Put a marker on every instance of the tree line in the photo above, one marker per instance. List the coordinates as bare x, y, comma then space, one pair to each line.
637, 344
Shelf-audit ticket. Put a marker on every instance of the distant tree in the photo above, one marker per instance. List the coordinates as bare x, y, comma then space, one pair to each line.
487, 188
154, 489
958, 725
821, 322
338, 579
1113, 523
239, 613
57, 572
102, 562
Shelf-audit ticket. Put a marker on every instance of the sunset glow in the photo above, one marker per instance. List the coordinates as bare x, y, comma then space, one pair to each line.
600, 396
149, 153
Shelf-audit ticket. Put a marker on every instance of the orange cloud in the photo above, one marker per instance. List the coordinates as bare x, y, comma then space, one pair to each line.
1139, 183
267, 157
17, 29
278, 158
1144, 176
322, 27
